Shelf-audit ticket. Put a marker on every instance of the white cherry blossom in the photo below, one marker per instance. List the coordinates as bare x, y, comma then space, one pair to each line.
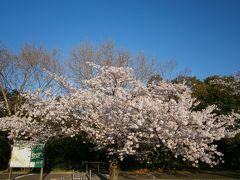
125, 117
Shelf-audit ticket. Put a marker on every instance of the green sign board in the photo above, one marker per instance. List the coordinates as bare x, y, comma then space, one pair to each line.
27, 155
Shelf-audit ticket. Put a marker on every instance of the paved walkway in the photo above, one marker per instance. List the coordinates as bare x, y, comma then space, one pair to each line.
51, 176
206, 175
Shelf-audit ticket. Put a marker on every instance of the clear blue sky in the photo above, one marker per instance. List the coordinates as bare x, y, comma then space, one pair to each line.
203, 35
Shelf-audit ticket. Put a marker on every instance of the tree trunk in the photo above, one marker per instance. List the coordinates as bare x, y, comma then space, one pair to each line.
6, 102
113, 169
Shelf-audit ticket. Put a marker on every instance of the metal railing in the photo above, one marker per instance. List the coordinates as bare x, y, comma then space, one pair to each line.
89, 167
93, 165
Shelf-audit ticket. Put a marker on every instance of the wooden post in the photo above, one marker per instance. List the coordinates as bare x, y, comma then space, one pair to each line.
41, 174
10, 173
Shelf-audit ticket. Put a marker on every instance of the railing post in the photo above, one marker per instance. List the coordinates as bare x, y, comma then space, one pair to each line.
10, 173
86, 167
41, 173
90, 174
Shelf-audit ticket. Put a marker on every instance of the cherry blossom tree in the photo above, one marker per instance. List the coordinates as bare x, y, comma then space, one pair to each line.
126, 117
